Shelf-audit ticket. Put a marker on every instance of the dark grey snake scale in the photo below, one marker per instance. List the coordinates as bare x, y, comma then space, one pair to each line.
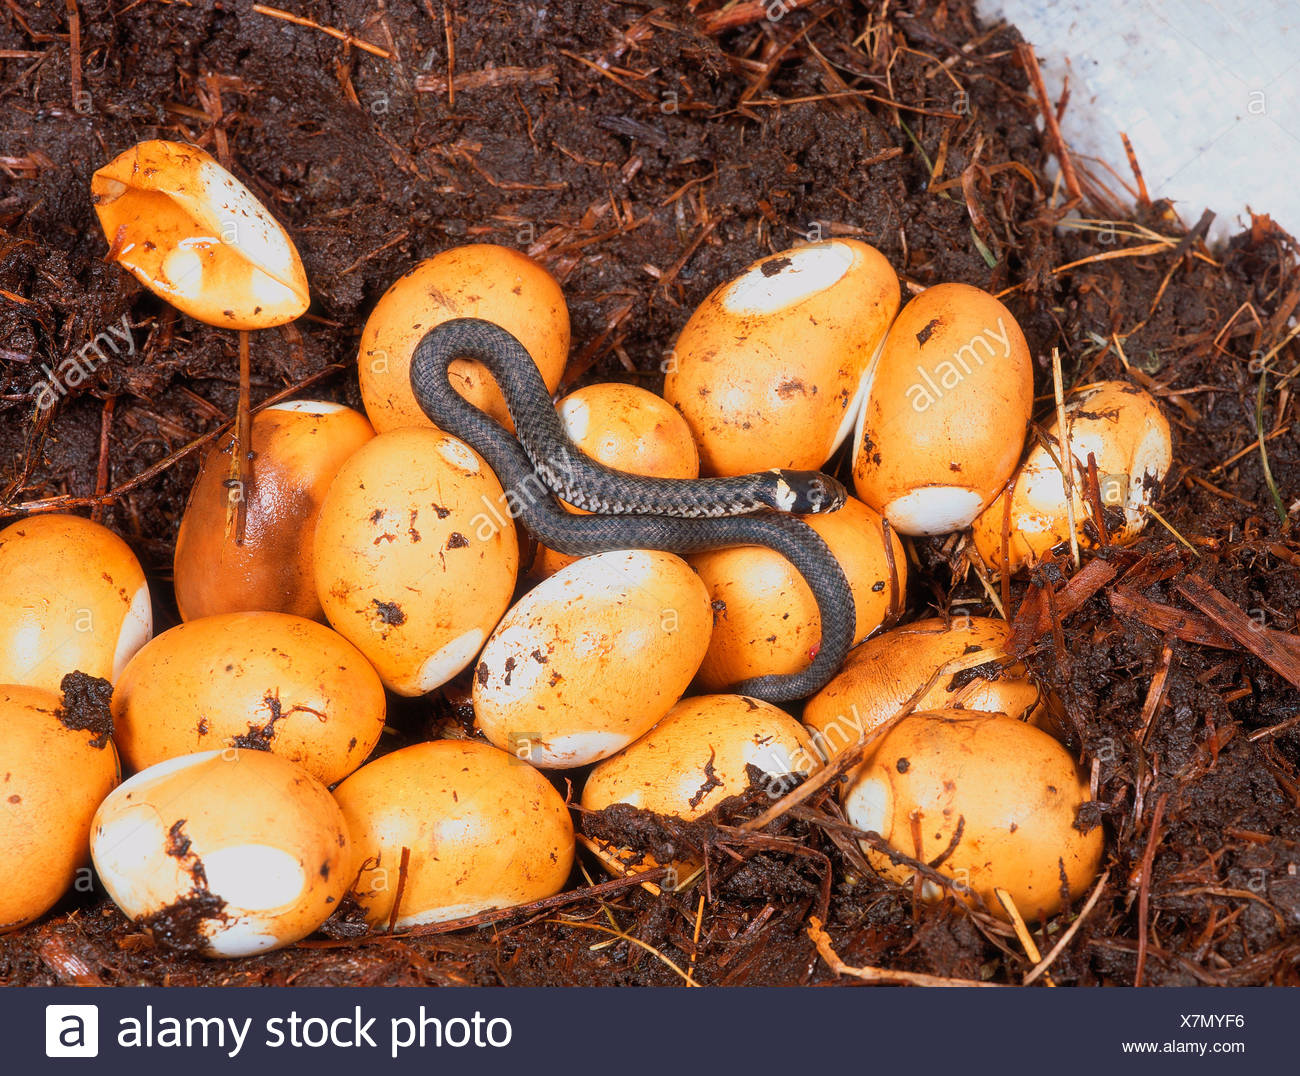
631, 512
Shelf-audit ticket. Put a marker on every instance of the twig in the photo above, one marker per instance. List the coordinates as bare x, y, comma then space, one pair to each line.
338, 35
101, 472
1067, 453
1025, 54
822, 940
74, 52
1070, 931
1144, 890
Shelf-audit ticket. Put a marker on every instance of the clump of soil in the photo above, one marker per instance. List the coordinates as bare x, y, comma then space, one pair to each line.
645, 153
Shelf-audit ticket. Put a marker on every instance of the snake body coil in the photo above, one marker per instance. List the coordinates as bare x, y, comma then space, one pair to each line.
672, 515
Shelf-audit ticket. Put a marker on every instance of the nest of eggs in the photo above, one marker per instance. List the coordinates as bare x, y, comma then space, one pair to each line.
644, 158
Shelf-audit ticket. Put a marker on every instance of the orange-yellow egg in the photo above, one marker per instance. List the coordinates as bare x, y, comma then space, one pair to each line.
298, 447
590, 658
627, 428
990, 800
882, 675
1119, 428
264, 681
53, 775
948, 402
480, 280
416, 556
72, 598
766, 621
481, 830
225, 853
695, 758
769, 368
194, 235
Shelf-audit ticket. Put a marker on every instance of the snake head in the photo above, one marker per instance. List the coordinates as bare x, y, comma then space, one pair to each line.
809, 492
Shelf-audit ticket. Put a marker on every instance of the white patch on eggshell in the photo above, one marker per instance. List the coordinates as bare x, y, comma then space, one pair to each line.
443, 912
254, 878
772, 757
869, 806
310, 407
239, 938
182, 272
243, 222
136, 630
934, 510
808, 270
129, 845
269, 293
930, 892
440, 667
575, 417
459, 454
576, 749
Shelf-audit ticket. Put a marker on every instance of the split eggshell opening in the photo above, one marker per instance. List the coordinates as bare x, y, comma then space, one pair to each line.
194, 235
768, 370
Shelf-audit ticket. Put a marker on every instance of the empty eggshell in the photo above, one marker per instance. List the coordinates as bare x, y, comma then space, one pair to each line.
298, 448
590, 658
72, 598
947, 405
194, 235
225, 853
627, 428
416, 555
264, 681
1120, 428
883, 674
52, 778
990, 800
479, 280
767, 622
482, 829
768, 370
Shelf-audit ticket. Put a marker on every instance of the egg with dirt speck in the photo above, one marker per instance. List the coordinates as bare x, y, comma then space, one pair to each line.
416, 555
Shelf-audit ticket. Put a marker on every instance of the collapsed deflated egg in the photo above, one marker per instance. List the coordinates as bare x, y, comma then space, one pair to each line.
72, 597
298, 448
990, 801
629, 429
193, 234
416, 556
480, 280
766, 621
483, 830
947, 406
52, 777
1120, 428
883, 674
768, 369
589, 659
265, 681
227, 853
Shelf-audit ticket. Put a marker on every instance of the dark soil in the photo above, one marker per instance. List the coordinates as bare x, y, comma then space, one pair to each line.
646, 152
